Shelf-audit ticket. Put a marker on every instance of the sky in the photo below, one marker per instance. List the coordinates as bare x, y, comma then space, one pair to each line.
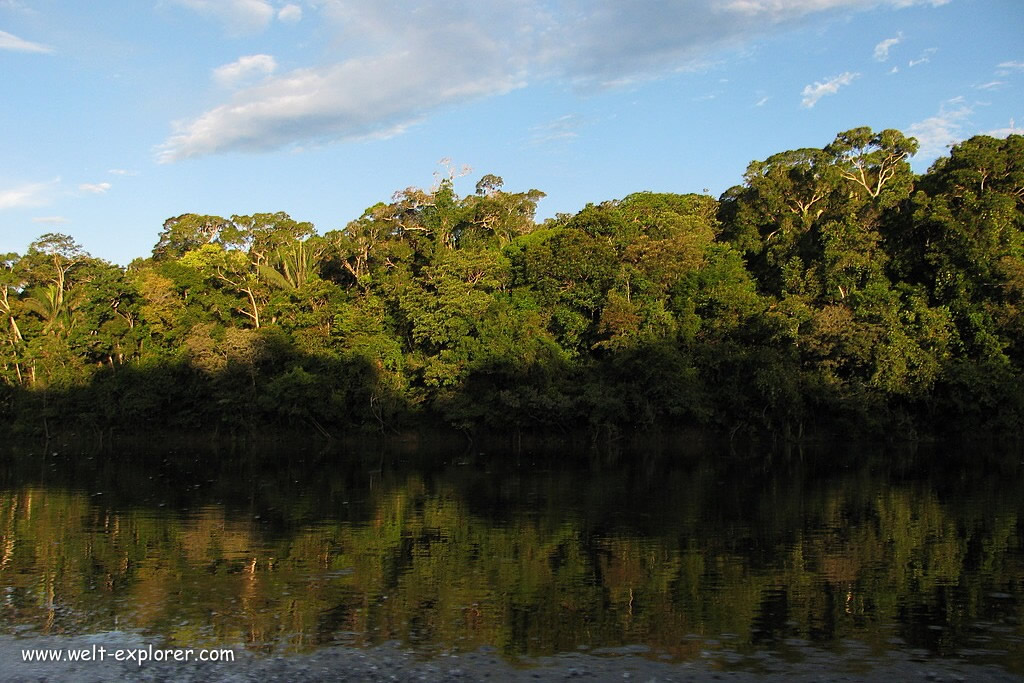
118, 114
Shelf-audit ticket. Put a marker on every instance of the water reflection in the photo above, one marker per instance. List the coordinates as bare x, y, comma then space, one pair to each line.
678, 555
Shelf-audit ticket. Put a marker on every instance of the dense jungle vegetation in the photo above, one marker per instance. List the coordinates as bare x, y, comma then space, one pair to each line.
832, 291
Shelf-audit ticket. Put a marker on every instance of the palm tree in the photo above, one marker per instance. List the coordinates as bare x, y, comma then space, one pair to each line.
292, 266
56, 307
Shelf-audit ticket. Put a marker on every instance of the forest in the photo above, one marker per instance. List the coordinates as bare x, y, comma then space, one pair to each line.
833, 291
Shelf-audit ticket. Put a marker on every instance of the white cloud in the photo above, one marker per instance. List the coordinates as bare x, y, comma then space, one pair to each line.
122, 172
95, 188
707, 97
763, 101
19, 7
244, 69
774, 8
882, 49
13, 42
238, 16
562, 129
50, 220
925, 57
936, 133
1003, 132
991, 85
1005, 68
395, 62
813, 93
359, 98
290, 14
28, 195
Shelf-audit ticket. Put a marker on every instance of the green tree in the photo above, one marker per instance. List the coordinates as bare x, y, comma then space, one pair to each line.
263, 234
10, 283
189, 231
233, 272
965, 242
495, 217
292, 265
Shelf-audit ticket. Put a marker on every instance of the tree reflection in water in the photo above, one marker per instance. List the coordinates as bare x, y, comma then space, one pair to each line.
674, 553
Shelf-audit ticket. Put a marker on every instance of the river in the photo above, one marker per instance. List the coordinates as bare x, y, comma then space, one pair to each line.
690, 557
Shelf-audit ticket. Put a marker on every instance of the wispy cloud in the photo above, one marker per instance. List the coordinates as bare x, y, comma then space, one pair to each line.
562, 129
936, 133
707, 97
1006, 68
238, 16
1003, 132
28, 195
95, 188
925, 57
122, 172
400, 64
290, 14
244, 69
12, 42
776, 7
830, 86
763, 101
16, 6
363, 97
50, 220
882, 49
991, 85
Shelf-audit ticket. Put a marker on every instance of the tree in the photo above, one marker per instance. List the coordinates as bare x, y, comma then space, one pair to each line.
161, 310
290, 266
13, 338
233, 271
965, 242
495, 217
362, 245
58, 309
569, 272
810, 219
52, 286
875, 163
50, 258
189, 231
261, 234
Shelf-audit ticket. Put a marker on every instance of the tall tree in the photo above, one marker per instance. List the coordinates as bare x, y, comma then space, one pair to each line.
189, 231
234, 272
10, 283
965, 241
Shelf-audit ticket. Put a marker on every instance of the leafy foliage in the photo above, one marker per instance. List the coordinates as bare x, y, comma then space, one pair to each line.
833, 289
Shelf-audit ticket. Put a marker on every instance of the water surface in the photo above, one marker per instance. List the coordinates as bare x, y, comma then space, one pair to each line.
676, 553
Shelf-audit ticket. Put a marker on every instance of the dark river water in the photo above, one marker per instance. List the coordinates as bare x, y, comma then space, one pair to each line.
676, 552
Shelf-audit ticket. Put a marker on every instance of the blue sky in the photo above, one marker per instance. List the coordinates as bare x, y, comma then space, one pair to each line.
118, 114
